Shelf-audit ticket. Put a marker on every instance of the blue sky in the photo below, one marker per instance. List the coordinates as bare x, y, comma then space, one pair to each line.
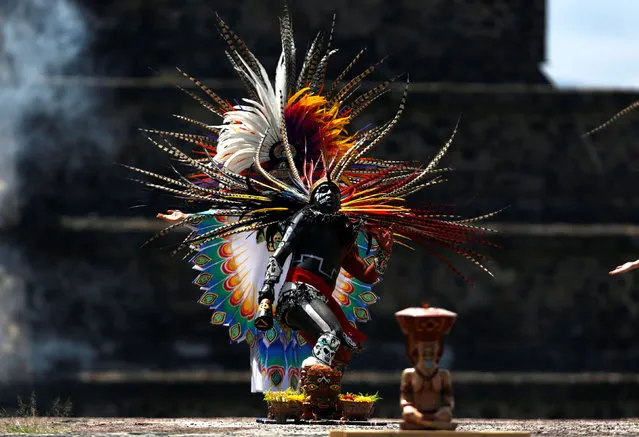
593, 43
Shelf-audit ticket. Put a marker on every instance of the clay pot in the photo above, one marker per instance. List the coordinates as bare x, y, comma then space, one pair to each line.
352, 410
280, 411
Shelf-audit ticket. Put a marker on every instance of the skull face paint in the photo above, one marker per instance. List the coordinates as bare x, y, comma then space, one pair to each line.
326, 198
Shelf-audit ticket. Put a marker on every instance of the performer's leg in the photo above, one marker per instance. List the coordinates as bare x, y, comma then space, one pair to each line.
316, 319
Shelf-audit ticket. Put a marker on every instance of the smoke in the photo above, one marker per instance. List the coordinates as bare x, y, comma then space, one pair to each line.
38, 39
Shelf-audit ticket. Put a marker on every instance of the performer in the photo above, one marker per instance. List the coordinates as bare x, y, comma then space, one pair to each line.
298, 221
321, 242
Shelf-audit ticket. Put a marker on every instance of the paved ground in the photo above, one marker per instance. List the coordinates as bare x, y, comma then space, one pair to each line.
247, 427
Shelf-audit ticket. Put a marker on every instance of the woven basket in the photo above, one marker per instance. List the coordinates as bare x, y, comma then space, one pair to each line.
283, 410
352, 410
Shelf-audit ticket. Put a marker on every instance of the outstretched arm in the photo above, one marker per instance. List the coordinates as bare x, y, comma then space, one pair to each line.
173, 215
264, 319
632, 265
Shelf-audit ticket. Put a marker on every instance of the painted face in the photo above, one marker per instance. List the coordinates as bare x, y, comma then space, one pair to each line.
323, 385
326, 198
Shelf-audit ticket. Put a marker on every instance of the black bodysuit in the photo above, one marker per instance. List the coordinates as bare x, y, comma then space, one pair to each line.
320, 245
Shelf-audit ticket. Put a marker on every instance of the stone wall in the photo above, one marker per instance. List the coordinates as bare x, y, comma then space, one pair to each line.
97, 301
436, 40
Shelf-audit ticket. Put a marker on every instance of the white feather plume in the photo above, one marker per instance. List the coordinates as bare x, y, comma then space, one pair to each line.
242, 128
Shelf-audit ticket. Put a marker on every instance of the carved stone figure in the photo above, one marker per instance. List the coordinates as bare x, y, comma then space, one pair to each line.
426, 390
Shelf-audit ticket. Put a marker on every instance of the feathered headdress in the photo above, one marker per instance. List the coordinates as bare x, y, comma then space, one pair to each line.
261, 162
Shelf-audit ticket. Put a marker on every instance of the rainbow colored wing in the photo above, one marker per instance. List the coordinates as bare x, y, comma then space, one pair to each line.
353, 295
230, 272
278, 357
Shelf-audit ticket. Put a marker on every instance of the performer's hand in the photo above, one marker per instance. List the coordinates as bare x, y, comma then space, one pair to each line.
173, 215
625, 267
264, 317
385, 239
